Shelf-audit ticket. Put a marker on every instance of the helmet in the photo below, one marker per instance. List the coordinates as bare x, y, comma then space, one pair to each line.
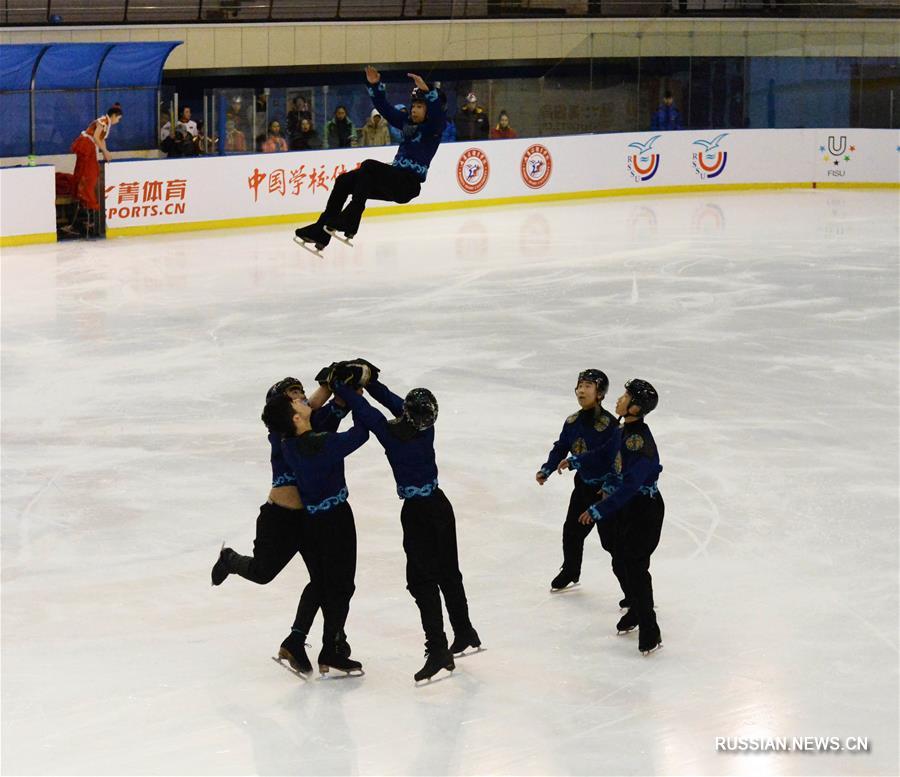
282, 387
420, 408
597, 377
642, 394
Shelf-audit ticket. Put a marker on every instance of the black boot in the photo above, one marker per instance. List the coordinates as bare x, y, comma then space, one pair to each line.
346, 222
649, 639
293, 650
314, 234
341, 646
465, 639
228, 562
436, 658
563, 579
628, 622
624, 604
329, 659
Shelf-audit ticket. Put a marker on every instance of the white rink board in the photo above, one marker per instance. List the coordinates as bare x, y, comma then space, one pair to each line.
254, 187
27, 201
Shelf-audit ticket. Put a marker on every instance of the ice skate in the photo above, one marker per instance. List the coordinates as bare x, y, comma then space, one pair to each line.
563, 581
341, 646
293, 650
628, 622
624, 604
465, 640
312, 235
342, 227
222, 568
329, 659
649, 640
435, 659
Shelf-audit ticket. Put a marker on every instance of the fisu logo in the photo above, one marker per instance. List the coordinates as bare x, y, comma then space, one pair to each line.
644, 163
711, 161
837, 152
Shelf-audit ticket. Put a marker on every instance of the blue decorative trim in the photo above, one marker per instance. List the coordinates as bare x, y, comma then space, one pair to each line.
575, 463
595, 513
407, 164
284, 480
339, 411
410, 492
331, 501
651, 490
547, 472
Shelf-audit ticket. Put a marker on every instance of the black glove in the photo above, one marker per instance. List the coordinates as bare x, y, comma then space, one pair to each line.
373, 370
350, 374
323, 376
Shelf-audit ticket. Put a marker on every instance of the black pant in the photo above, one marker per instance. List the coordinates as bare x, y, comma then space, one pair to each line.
575, 533
280, 533
373, 180
640, 524
329, 550
432, 565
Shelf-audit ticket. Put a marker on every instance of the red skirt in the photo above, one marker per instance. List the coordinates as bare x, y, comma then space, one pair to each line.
87, 171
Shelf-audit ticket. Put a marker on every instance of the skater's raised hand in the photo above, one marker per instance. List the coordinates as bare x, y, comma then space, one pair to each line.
372, 75
564, 464
540, 477
418, 81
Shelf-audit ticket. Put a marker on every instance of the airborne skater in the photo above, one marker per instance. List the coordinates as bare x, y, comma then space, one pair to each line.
400, 181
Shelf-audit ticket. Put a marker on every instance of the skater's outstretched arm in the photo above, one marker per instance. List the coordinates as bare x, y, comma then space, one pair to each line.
637, 474
601, 457
371, 418
395, 118
436, 115
385, 397
557, 454
342, 444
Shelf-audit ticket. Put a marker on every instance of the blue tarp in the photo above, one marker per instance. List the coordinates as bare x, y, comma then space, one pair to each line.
73, 84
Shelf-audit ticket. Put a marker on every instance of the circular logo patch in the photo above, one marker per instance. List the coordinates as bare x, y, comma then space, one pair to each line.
601, 423
536, 166
634, 443
472, 170
579, 446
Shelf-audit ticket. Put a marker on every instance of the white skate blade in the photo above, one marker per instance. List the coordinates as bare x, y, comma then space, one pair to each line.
652, 650
570, 587
308, 247
283, 663
470, 651
622, 633
434, 679
338, 236
343, 675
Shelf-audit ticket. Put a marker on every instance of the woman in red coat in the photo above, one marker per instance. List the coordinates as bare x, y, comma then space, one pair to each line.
87, 170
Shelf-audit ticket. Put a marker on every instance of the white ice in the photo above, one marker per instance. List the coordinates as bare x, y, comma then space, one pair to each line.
133, 376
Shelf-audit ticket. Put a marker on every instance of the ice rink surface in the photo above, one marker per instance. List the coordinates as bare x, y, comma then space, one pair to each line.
133, 374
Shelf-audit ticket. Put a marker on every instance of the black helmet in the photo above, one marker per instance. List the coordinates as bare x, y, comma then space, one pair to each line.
282, 387
420, 408
597, 377
642, 394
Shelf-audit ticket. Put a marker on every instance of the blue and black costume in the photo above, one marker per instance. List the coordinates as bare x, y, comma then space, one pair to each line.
592, 439
429, 525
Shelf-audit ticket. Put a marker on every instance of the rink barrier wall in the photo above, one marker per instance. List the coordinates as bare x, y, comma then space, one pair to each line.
150, 196
27, 205
157, 196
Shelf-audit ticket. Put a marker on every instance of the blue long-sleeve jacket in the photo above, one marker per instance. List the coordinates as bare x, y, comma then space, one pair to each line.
587, 430
412, 459
317, 460
667, 117
420, 141
640, 470
326, 419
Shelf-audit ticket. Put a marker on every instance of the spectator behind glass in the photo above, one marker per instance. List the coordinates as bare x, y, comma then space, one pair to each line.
205, 143
667, 116
397, 135
472, 121
189, 124
375, 131
503, 130
274, 140
237, 113
299, 111
306, 138
235, 140
339, 131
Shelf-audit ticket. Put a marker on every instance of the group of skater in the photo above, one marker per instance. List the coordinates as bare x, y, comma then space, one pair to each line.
308, 512
616, 489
